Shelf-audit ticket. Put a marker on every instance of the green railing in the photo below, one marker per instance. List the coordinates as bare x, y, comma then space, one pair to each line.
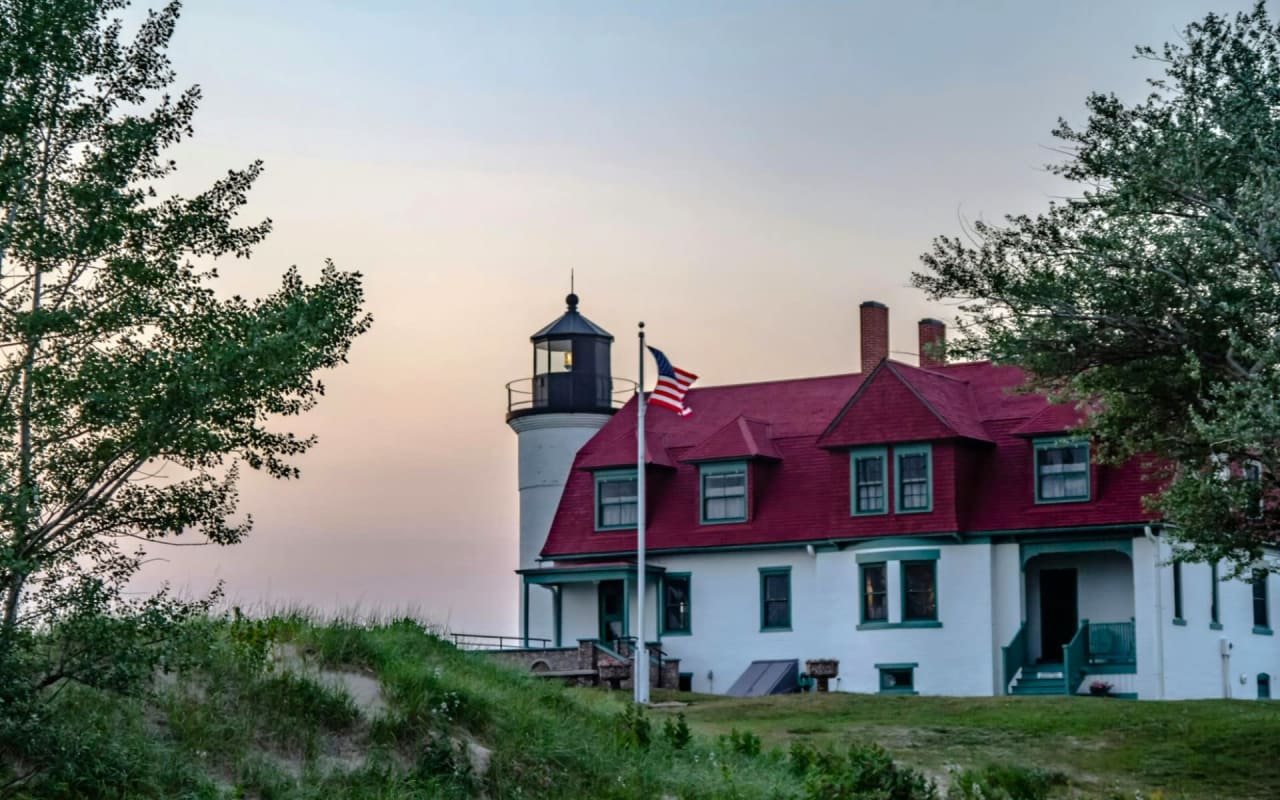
1075, 655
1015, 656
1112, 643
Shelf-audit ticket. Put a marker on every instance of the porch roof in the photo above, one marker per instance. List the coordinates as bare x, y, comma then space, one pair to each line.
583, 573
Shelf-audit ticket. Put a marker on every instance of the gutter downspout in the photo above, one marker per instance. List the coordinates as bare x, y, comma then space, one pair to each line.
1159, 603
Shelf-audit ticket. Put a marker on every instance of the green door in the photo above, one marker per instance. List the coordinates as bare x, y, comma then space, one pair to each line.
613, 623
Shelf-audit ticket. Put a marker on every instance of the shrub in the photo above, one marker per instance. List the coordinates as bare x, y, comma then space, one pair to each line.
1003, 782
676, 732
866, 771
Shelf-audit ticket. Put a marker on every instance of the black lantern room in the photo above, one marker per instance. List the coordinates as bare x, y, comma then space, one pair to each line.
571, 369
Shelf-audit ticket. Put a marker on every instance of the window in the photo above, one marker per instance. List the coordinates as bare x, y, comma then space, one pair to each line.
913, 473
875, 592
1261, 620
1062, 471
1214, 622
869, 477
919, 590
615, 500
676, 604
1253, 476
724, 492
1264, 686
775, 598
1177, 592
897, 678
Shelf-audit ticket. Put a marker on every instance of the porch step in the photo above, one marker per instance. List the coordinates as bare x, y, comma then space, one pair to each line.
1041, 679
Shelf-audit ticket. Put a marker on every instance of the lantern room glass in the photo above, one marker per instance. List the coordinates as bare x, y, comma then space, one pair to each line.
553, 356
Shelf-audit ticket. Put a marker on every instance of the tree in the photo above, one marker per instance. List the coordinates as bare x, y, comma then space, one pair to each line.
129, 390
1153, 298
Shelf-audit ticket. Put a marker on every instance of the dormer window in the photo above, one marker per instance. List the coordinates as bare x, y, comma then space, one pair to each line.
914, 477
1062, 471
724, 492
616, 499
870, 481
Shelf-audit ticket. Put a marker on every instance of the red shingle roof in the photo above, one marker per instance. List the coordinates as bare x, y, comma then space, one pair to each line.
982, 467
741, 438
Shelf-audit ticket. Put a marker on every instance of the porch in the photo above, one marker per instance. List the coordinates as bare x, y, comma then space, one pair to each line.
1078, 617
601, 600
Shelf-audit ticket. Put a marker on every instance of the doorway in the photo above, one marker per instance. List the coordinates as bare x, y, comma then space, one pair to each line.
613, 620
1059, 612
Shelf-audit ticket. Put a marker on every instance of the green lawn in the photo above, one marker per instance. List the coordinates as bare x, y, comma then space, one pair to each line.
1190, 749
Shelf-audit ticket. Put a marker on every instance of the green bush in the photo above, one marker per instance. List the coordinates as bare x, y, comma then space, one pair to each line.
1003, 782
866, 772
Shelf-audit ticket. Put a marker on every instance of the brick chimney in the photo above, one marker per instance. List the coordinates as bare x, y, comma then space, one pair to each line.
932, 332
874, 330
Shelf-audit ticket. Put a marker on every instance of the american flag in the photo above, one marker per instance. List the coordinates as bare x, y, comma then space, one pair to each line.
672, 384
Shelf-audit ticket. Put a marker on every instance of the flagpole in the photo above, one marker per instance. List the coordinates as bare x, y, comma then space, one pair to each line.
641, 653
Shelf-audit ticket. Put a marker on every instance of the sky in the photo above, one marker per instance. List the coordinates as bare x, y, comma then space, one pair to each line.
738, 175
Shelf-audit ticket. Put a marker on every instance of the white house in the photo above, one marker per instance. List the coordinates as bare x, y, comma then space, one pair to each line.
924, 525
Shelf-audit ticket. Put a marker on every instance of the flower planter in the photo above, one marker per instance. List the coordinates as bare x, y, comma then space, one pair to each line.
822, 670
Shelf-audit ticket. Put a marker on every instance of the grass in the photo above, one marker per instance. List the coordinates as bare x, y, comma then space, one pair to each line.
1189, 749
274, 709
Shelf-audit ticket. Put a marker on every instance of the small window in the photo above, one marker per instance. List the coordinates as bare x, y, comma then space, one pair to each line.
1253, 477
875, 593
1177, 590
775, 598
1261, 619
1213, 596
869, 482
913, 473
897, 678
1062, 471
616, 500
675, 604
919, 590
724, 492
1264, 686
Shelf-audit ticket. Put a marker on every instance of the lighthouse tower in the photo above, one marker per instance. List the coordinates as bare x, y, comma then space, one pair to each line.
554, 413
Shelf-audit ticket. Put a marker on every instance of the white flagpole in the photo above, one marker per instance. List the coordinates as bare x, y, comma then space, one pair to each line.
641, 654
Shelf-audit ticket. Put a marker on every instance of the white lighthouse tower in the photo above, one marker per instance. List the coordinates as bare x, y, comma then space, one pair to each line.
554, 413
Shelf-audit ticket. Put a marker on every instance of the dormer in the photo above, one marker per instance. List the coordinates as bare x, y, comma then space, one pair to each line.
726, 463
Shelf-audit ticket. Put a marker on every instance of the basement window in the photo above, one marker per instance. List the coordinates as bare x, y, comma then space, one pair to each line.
897, 678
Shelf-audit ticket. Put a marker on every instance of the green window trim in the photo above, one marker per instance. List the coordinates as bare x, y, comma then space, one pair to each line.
865, 593
932, 591
1264, 686
1261, 602
923, 554
1213, 598
765, 574
1059, 443
904, 451
891, 678
720, 469
1177, 592
602, 478
868, 454
687, 630
885, 626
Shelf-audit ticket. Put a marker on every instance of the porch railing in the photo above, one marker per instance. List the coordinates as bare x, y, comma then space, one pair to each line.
1075, 655
1112, 643
1015, 656
480, 641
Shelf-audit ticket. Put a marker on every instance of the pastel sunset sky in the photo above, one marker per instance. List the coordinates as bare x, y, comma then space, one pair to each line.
739, 175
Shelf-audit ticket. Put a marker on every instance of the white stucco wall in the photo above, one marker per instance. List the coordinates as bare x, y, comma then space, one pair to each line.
956, 658
546, 445
1193, 663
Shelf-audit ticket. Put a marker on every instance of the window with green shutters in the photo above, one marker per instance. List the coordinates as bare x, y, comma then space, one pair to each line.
870, 480
1062, 471
775, 598
724, 492
919, 590
914, 478
616, 499
676, 605
875, 592
1261, 617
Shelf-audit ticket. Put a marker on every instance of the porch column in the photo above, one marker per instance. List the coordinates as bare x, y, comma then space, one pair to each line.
524, 607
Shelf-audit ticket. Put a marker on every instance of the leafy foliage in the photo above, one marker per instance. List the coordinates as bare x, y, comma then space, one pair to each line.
1152, 299
129, 389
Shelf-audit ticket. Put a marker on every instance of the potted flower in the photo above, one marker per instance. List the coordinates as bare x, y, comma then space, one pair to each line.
1100, 689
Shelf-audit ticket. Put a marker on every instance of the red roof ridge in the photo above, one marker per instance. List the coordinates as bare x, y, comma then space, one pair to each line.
736, 439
